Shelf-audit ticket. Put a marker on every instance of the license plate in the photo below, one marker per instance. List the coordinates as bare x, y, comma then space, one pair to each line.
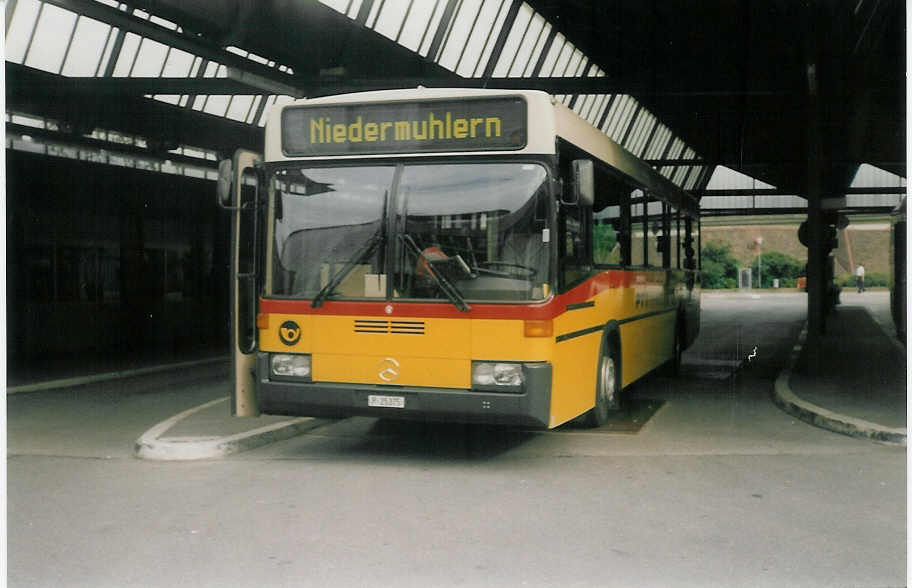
386, 401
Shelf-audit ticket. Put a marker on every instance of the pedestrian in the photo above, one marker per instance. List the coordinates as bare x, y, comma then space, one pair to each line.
859, 278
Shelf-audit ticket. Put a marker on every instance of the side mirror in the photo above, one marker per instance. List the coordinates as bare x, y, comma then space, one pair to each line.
223, 183
583, 182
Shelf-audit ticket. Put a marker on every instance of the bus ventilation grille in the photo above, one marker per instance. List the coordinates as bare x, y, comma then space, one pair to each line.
390, 327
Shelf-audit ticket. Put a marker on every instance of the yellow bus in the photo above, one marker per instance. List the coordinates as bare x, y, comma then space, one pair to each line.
451, 254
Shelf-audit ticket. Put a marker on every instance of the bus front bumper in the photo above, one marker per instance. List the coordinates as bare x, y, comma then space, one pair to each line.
531, 407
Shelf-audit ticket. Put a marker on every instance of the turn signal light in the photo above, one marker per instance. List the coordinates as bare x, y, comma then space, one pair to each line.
538, 328
262, 321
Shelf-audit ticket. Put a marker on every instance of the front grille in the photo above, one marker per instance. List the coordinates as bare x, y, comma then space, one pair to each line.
390, 327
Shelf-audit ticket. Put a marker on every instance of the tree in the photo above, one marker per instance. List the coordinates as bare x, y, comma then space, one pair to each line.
777, 265
720, 268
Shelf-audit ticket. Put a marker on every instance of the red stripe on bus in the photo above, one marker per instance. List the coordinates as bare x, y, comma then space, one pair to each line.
537, 311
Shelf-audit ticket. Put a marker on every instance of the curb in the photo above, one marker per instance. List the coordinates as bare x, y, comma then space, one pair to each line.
80, 380
153, 446
785, 399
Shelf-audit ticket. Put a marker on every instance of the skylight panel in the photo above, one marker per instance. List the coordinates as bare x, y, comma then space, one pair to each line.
20, 29
562, 61
623, 120
251, 115
150, 59
110, 42
600, 110
391, 17
416, 24
374, 13
199, 102
520, 42
127, 55
547, 68
194, 69
576, 65
51, 39
676, 148
87, 48
694, 177
163, 23
239, 108
354, 6
869, 176
658, 143
270, 102
217, 104
613, 109
459, 32
337, 5
725, 178
585, 105
641, 133
273, 102
179, 64
174, 99
680, 174
25, 120
481, 41
428, 34
621, 110
539, 46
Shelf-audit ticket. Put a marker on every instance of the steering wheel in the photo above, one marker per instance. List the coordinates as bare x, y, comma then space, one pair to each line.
507, 270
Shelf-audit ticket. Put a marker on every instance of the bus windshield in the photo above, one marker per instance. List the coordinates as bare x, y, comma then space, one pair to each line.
450, 232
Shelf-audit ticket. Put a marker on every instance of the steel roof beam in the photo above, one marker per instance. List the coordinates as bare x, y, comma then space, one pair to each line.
70, 139
244, 83
80, 107
777, 192
191, 44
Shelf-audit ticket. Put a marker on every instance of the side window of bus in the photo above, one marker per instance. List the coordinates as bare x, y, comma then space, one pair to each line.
637, 228
610, 242
656, 240
575, 256
676, 242
689, 244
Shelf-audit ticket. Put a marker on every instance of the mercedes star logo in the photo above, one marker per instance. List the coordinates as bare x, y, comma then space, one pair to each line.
388, 370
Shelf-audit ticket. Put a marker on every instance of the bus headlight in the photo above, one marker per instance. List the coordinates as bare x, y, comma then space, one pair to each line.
500, 376
288, 365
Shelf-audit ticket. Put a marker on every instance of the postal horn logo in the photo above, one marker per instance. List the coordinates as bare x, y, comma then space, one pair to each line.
289, 332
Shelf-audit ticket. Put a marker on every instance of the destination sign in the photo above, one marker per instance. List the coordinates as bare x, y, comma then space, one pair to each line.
405, 127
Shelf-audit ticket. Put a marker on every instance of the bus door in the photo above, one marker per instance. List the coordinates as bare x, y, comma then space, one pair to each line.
239, 192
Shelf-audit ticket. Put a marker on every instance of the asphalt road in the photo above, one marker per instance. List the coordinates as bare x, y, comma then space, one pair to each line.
717, 488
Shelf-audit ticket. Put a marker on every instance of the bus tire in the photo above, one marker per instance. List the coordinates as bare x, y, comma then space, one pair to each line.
607, 387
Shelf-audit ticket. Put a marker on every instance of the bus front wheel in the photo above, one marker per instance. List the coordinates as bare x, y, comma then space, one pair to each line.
607, 388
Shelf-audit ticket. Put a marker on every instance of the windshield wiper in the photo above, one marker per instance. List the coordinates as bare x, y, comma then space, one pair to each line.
366, 250
448, 288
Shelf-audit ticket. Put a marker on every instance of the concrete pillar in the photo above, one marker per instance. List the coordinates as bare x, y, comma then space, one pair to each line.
816, 287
